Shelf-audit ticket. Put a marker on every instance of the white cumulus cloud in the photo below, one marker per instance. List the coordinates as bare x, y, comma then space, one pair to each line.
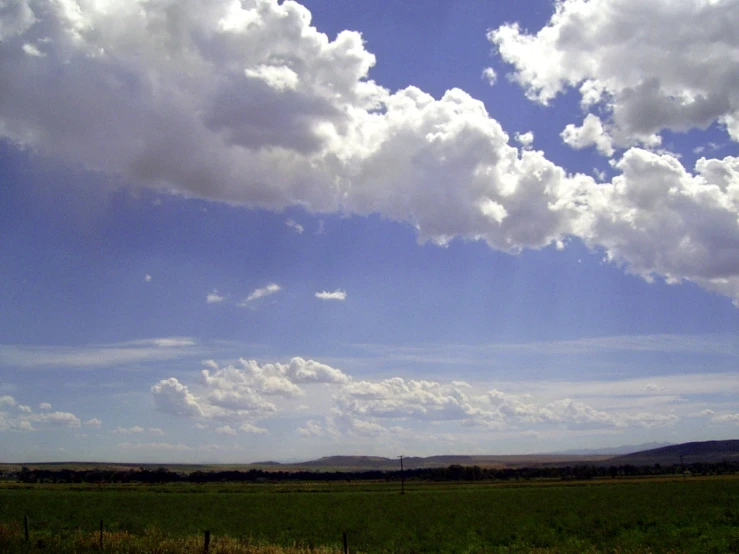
62, 419
398, 398
7, 400
248, 103
657, 219
245, 393
395, 406
591, 133
24, 420
171, 396
650, 65
300, 370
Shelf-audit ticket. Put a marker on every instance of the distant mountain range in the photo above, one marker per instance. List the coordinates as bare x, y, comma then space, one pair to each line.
362, 463
642, 454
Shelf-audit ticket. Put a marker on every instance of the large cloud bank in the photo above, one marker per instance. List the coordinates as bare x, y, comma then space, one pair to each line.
247, 102
646, 67
246, 394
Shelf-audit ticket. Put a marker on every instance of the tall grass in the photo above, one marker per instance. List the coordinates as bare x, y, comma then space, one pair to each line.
657, 517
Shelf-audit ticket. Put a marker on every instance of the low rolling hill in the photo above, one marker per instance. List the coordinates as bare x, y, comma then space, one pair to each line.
366, 463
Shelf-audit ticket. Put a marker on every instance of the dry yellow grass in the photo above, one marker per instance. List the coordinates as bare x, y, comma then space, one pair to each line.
152, 542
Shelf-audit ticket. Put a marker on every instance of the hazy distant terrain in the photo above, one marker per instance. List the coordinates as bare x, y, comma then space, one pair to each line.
708, 451
615, 450
411, 462
692, 452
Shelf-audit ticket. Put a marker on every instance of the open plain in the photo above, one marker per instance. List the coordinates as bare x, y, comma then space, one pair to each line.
667, 514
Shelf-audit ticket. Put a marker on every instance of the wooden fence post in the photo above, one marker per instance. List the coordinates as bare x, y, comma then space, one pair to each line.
25, 527
207, 542
101, 534
346, 543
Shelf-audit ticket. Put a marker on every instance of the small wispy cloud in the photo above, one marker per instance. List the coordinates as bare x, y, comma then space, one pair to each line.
32, 50
214, 297
295, 225
225, 430
256, 294
148, 278
703, 344
727, 418
98, 355
155, 446
489, 75
253, 429
525, 139
129, 430
335, 295
708, 148
166, 342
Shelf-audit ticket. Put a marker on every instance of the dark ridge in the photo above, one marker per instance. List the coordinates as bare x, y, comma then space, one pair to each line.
349, 461
691, 452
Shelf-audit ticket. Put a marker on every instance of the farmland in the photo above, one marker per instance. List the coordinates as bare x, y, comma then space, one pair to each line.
637, 515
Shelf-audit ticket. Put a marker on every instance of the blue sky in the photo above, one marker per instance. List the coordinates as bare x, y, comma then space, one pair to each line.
237, 232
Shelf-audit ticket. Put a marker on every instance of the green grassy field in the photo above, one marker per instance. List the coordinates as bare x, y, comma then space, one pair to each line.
700, 515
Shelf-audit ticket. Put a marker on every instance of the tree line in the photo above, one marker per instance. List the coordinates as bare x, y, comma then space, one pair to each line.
449, 473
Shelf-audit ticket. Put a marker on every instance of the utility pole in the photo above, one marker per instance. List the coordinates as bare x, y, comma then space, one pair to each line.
402, 476
682, 466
